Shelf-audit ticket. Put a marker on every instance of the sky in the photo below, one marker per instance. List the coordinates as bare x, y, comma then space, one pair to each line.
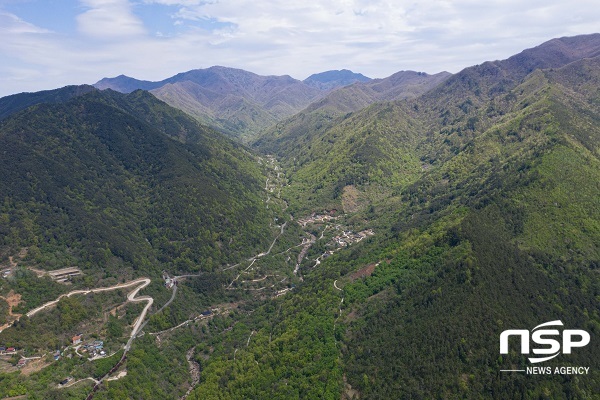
50, 44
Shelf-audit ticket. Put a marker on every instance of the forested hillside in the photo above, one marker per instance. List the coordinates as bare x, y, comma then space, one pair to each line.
374, 252
238, 103
511, 222
18, 102
106, 175
384, 146
297, 132
485, 196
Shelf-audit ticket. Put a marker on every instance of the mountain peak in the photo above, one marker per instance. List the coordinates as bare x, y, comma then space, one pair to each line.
335, 78
125, 84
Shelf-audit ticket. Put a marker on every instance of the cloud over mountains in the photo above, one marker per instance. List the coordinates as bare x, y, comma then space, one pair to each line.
155, 38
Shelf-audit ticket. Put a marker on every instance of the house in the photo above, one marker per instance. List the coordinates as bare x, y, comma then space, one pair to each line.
76, 339
64, 274
11, 350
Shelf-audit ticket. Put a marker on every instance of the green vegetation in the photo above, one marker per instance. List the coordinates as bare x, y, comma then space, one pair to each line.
484, 200
110, 189
52, 329
102, 366
285, 350
153, 372
34, 291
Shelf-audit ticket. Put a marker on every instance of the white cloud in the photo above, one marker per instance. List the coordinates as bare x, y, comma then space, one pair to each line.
109, 19
375, 37
11, 25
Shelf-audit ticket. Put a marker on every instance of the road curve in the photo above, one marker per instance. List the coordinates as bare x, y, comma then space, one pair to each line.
335, 285
131, 297
145, 281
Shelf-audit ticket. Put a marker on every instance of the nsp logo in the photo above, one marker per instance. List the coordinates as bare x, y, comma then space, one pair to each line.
570, 338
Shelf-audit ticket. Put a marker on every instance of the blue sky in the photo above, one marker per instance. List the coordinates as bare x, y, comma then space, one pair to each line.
49, 44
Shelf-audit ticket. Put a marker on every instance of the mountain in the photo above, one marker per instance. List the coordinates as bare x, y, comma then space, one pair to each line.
235, 101
106, 176
401, 85
508, 205
126, 84
326, 113
333, 79
384, 255
485, 195
18, 102
328, 153
243, 105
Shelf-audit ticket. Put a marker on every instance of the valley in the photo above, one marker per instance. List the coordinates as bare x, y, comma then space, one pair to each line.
254, 276
358, 239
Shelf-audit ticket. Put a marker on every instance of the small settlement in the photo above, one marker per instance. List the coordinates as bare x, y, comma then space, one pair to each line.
7, 352
94, 348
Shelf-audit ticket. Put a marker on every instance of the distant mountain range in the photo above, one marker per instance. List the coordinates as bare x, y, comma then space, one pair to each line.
243, 104
333, 79
238, 102
298, 130
307, 140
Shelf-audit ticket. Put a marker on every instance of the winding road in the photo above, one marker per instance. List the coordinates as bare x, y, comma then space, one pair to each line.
143, 282
164, 305
131, 297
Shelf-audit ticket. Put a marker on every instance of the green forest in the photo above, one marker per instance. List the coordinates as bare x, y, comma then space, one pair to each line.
372, 254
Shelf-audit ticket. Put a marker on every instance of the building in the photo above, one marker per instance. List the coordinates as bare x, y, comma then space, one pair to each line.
76, 339
63, 275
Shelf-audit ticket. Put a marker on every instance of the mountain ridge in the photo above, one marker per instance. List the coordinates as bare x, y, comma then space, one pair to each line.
143, 143
18, 102
323, 114
456, 108
235, 101
243, 104
335, 78
393, 243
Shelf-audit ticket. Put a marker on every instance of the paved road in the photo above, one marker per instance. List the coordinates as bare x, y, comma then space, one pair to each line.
131, 297
163, 307
146, 282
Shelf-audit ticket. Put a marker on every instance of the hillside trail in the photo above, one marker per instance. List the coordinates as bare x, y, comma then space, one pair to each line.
131, 297
12, 299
